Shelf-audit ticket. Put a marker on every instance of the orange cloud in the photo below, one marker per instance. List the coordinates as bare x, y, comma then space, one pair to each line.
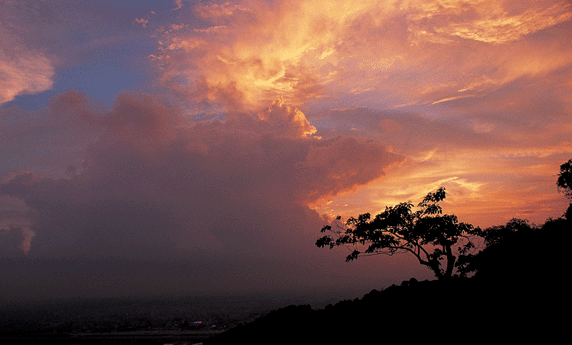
498, 26
225, 9
261, 51
23, 69
494, 168
27, 72
308, 50
475, 68
142, 21
483, 20
287, 120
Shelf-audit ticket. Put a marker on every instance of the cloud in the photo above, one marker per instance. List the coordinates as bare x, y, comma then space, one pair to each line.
256, 54
226, 175
52, 138
142, 21
495, 25
213, 11
496, 162
410, 52
469, 78
153, 188
178, 5
23, 69
286, 120
15, 232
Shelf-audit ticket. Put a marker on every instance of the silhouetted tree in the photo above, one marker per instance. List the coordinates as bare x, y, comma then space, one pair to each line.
503, 233
502, 256
564, 181
518, 249
426, 233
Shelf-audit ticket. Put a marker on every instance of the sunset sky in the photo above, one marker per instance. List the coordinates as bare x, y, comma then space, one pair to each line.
173, 147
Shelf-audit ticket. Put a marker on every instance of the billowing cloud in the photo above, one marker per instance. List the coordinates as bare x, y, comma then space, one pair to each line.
154, 188
286, 120
52, 138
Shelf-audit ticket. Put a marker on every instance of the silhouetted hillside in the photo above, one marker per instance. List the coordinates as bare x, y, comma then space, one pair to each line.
460, 309
517, 294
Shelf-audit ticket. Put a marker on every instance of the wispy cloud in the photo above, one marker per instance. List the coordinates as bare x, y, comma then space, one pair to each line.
310, 50
23, 69
178, 5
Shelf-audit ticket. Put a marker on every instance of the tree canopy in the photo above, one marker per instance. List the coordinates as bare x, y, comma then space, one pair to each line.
428, 234
564, 181
564, 184
501, 252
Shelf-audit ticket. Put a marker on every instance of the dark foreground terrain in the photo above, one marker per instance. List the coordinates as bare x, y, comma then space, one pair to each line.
519, 294
460, 311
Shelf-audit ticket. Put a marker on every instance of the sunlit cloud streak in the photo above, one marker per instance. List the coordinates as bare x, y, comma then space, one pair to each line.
23, 69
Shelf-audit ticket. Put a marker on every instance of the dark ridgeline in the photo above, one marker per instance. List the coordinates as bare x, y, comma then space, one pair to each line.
519, 292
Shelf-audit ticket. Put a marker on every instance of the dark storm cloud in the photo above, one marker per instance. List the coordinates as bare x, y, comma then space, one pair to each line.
152, 189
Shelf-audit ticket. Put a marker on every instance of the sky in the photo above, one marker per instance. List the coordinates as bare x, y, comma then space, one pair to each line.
152, 148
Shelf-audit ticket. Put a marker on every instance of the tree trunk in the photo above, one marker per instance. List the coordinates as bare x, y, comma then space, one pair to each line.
450, 262
433, 266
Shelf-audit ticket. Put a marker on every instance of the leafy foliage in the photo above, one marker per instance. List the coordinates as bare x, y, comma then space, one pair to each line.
520, 253
426, 233
564, 181
502, 243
